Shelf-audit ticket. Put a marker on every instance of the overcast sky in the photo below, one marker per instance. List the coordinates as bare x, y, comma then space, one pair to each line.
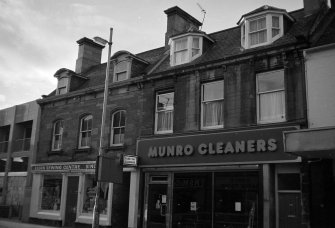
38, 37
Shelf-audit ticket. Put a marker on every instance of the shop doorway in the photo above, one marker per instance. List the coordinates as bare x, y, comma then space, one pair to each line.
71, 200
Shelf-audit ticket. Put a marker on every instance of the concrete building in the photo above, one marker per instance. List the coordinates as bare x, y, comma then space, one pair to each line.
18, 130
204, 114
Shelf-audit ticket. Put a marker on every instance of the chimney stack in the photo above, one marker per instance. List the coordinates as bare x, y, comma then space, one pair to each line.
178, 21
312, 6
89, 54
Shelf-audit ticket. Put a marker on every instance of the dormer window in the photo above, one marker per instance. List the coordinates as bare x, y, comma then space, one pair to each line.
262, 27
62, 86
122, 69
185, 49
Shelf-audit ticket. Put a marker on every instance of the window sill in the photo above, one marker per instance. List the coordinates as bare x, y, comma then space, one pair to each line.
117, 147
87, 150
55, 152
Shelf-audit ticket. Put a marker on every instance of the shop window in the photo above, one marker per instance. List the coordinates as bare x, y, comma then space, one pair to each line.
212, 105
85, 132
19, 164
118, 128
164, 113
51, 192
271, 97
57, 135
89, 196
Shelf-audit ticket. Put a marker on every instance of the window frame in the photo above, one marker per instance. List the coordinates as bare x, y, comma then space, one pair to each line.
203, 101
245, 28
189, 48
63, 85
122, 112
60, 135
258, 95
168, 110
86, 131
121, 60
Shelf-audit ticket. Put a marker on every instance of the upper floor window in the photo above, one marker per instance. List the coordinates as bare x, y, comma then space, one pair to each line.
164, 113
62, 86
212, 97
118, 127
270, 97
85, 131
121, 71
263, 26
57, 135
185, 49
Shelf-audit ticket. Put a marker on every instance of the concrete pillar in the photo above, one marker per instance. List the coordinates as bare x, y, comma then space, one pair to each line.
133, 199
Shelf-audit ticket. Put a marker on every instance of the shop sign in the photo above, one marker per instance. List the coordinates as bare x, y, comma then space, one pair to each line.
64, 167
130, 160
260, 145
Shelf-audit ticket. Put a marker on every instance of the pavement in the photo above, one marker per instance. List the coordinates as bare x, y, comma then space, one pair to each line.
10, 223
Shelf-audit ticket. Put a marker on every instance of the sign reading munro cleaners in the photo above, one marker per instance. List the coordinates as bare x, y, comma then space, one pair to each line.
259, 145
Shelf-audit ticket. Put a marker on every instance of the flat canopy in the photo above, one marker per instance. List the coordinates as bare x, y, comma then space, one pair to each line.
311, 143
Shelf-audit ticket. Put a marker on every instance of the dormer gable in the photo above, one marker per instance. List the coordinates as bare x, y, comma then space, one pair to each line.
263, 26
125, 65
186, 47
67, 81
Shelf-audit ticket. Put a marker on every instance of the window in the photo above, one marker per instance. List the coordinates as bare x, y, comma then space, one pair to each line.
271, 97
89, 195
185, 49
164, 113
62, 86
19, 164
51, 192
121, 71
257, 31
261, 30
85, 132
118, 127
57, 135
212, 105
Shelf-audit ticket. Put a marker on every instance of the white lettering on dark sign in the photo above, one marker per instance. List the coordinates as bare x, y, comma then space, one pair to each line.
235, 147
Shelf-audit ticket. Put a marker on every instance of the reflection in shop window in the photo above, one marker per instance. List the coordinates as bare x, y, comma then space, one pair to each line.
51, 192
90, 189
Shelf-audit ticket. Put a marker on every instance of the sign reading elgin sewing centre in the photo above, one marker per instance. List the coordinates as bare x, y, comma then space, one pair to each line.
259, 145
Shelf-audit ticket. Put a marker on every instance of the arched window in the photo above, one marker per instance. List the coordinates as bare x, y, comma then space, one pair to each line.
118, 127
85, 131
57, 135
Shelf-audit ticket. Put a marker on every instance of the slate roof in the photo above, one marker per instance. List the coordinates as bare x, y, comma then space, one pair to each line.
227, 45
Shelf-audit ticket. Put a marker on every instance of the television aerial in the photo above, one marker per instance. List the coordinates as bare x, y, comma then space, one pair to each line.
204, 12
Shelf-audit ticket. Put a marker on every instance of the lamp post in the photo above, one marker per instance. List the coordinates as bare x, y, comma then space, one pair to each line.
96, 210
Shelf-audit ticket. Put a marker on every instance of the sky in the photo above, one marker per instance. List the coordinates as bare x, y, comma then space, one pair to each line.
38, 37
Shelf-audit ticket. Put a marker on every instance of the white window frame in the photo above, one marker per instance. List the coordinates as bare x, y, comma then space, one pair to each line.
122, 112
245, 28
170, 109
60, 134
86, 131
189, 48
203, 102
258, 94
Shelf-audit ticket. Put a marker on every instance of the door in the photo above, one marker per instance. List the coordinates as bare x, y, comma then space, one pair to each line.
157, 202
71, 200
289, 210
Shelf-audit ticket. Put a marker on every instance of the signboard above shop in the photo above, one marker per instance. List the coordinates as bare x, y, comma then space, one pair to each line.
234, 147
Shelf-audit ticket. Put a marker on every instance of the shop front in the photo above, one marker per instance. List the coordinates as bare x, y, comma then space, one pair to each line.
64, 193
226, 179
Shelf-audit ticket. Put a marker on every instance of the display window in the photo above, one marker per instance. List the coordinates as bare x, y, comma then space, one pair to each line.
89, 196
51, 192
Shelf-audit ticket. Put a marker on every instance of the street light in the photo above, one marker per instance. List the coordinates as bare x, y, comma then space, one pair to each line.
96, 210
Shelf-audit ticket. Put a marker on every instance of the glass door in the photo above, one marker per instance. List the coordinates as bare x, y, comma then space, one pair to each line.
157, 206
